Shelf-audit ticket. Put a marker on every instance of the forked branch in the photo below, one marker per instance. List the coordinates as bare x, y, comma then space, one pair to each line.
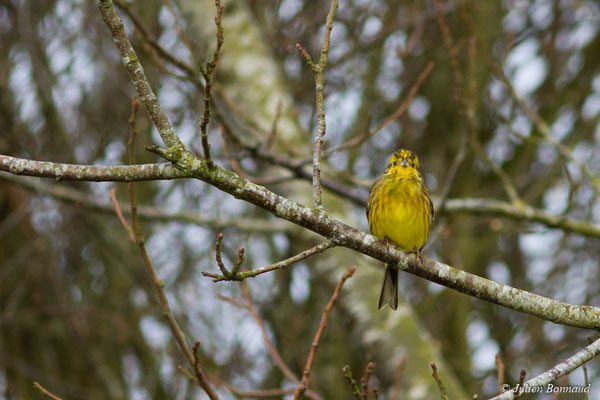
240, 276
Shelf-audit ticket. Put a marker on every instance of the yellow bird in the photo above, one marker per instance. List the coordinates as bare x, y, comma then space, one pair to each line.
399, 210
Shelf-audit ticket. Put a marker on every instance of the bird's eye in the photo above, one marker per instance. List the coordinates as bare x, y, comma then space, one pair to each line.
394, 163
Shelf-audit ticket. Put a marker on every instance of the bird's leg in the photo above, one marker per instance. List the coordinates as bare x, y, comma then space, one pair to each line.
389, 242
416, 252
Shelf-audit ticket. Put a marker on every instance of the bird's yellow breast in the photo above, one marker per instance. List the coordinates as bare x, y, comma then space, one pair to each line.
399, 210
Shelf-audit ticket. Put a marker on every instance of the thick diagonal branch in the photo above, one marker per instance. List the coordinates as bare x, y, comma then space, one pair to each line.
347, 236
137, 75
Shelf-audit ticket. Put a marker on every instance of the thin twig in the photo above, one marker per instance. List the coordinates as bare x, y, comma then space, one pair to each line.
232, 160
113, 197
133, 131
586, 380
561, 383
273, 132
365, 380
168, 314
520, 388
449, 181
452, 49
248, 304
585, 372
397, 114
238, 262
208, 74
544, 129
358, 197
285, 370
307, 57
151, 40
319, 70
45, 391
233, 301
506, 181
269, 393
439, 382
351, 382
500, 370
232, 275
311, 356
235, 165
240, 276
218, 254
398, 374
179, 27
468, 108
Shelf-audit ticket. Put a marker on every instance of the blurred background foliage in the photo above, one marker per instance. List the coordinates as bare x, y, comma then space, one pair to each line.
77, 310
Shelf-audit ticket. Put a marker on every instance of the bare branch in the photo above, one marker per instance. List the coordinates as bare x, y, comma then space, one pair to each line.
151, 41
507, 183
138, 239
566, 367
319, 70
365, 381
395, 115
285, 370
45, 391
259, 393
149, 213
232, 275
137, 76
311, 356
452, 49
522, 212
500, 370
544, 129
238, 263
307, 57
91, 173
439, 382
398, 374
240, 276
520, 390
113, 197
520, 300
208, 73
351, 382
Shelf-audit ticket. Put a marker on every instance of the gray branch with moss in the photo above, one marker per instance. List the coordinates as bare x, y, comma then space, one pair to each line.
561, 369
344, 235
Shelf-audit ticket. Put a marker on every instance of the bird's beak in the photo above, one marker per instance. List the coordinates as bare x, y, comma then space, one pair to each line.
404, 162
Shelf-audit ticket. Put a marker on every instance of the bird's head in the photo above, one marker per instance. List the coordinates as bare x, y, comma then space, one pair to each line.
403, 161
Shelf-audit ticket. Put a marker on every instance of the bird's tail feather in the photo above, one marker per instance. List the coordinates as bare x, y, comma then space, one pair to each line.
389, 288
